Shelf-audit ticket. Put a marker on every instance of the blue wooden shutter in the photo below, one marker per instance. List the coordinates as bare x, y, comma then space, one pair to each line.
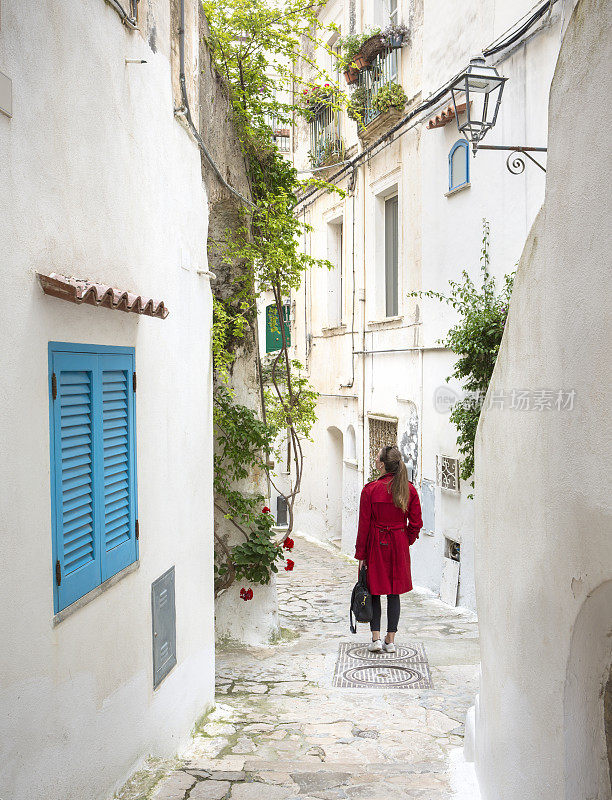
74, 476
118, 485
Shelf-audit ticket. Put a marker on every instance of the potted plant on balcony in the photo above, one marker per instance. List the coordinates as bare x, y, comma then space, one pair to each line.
349, 48
370, 47
356, 105
395, 35
357, 51
390, 96
330, 152
314, 98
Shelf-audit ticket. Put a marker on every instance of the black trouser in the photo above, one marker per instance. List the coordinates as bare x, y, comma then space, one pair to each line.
393, 612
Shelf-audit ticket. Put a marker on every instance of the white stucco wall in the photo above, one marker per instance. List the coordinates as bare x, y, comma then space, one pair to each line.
543, 514
98, 180
439, 236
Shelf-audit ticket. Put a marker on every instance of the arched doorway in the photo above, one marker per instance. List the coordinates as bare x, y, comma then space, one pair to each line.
335, 453
588, 700
350, 492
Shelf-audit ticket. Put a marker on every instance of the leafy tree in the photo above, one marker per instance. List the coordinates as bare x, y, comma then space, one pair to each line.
256, 46
476, 339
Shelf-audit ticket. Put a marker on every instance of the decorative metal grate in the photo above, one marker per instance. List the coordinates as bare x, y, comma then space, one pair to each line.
447, 473
384, 71
357, 668
326, 145
383, 432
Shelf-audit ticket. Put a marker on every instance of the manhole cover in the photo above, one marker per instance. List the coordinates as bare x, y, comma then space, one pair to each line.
362, 653
383, 675
407, 668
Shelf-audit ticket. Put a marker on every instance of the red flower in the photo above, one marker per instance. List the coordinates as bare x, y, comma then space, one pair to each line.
288, 543
246, 594
265, 510
290, 565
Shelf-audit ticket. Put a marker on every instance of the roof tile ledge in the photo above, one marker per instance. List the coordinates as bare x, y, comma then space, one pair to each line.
445, 116
81, 290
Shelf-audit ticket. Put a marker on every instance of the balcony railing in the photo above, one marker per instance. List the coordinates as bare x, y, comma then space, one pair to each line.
384, 71
282, 138
280, 132
325, 136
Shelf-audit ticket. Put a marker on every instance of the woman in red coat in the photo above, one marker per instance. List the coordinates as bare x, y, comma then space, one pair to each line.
389, 522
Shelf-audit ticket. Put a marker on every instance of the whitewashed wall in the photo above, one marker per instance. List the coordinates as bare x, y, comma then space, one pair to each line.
543, 516
439, 237
99, 180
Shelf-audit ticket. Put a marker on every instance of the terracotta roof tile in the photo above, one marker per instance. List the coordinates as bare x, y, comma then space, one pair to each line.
444, 117
80, 290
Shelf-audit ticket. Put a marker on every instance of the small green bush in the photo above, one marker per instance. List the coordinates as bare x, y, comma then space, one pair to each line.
390, 96
356, 105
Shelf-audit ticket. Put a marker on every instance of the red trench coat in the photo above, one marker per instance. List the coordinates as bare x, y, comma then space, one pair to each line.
385, 535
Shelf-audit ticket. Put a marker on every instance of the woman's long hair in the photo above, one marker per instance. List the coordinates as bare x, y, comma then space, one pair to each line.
399, 486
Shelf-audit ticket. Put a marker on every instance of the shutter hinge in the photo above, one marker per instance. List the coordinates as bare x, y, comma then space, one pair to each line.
58, 573
137, 529
54, 386
134, 381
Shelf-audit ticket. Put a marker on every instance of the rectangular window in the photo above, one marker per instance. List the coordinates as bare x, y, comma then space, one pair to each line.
391, 257
334, 276
393, 16
93, 466
382, 432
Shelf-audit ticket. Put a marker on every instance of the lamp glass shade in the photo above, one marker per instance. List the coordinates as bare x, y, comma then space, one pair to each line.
480, 87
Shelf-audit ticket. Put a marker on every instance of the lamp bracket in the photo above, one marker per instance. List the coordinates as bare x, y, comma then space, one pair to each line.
515, 162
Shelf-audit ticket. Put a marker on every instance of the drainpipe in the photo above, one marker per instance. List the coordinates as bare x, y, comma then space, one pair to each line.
363, 320
350, 384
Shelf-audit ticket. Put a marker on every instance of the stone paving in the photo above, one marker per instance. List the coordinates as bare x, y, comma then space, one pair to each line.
280, 731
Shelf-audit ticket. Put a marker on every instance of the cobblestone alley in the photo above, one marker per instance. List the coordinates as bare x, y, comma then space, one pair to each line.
282, 730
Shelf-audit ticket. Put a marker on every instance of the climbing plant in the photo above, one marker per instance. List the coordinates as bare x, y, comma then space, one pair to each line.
475, 339
256, 45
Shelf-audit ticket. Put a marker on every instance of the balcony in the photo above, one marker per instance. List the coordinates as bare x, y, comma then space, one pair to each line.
326, 144
281, 133
379, 100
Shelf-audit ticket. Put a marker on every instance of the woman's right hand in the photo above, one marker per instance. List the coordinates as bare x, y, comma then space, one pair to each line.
361, 564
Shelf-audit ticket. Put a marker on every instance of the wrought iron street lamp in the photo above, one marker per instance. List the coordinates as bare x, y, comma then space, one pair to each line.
481, 88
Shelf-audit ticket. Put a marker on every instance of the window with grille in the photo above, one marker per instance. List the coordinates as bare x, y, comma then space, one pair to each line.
447, 473
383, 432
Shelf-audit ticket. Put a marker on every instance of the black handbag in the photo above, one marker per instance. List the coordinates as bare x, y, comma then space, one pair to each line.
361, 601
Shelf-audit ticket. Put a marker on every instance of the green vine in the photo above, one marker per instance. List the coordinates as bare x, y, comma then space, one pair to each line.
476, 339
264, 250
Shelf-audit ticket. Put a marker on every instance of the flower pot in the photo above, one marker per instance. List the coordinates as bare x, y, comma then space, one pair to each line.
372, 47
351, 75
361, 62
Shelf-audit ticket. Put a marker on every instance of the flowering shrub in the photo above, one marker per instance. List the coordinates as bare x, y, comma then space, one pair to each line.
288, 543
394, 33
313, 98
246, 594
265, 510
289, 565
